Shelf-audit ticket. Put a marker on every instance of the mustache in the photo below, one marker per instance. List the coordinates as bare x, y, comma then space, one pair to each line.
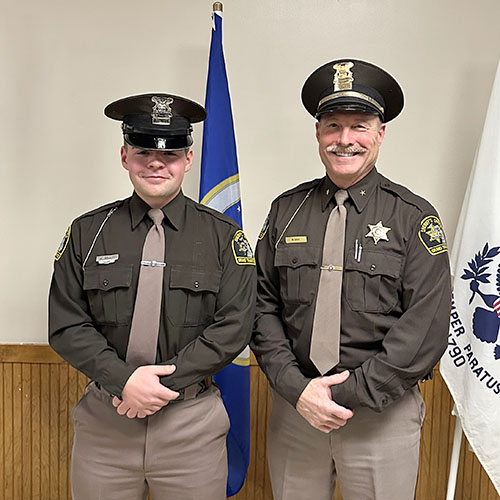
355, 148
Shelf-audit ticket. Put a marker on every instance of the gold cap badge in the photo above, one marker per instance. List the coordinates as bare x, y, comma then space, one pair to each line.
343, 78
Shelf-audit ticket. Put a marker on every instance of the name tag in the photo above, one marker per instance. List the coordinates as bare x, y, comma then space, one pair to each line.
107, 259
296, 239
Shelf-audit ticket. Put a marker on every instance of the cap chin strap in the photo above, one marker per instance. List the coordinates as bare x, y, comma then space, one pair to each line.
352, 93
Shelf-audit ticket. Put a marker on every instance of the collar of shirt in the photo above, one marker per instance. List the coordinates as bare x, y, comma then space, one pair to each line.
174, 211
359, 193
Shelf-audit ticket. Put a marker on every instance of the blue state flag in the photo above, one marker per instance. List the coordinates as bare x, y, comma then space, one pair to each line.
220, 189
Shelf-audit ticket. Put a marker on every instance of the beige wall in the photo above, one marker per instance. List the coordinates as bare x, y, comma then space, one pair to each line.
62, 61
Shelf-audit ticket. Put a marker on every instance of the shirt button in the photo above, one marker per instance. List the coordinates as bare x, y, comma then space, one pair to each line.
373, 267
105, 282
196, 284
295, 260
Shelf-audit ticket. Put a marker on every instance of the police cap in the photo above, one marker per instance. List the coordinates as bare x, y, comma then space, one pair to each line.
352, 85
157, 121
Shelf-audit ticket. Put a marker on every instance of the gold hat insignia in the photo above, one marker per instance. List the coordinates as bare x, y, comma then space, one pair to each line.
343, 78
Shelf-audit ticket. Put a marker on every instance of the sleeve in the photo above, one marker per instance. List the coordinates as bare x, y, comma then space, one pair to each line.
72, 333
230, 331
269, 342
418, 338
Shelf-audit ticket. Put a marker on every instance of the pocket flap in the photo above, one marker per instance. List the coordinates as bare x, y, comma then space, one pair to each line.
107, 277
375, 263
194, 280
297, 255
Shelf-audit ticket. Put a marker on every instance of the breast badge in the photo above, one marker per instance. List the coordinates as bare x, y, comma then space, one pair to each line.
432, 236
243, 254
378, 232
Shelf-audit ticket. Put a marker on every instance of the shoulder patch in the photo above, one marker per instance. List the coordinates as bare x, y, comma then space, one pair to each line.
432, 236
242, 251
64, 244
264, 229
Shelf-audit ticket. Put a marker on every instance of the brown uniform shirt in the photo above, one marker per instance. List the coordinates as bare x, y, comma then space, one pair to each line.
395, 297
208, 292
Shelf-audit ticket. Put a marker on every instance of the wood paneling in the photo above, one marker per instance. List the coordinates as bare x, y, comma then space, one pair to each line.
38, 390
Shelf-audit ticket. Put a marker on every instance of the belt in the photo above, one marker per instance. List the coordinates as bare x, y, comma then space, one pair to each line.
189, 392
194, 390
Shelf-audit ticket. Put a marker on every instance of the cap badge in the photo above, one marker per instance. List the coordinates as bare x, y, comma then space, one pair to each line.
343, 78
161, 143
162, 112
378, 232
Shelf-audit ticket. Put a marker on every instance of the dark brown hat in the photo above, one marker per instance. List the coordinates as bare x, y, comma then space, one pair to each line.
352, 85
157, 121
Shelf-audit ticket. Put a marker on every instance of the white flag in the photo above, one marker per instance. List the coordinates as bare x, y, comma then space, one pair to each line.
471, 364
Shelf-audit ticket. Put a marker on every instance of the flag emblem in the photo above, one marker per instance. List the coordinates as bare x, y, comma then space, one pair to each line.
485, 320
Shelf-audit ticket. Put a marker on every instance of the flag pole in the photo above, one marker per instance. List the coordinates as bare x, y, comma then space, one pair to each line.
220, 190
455, 457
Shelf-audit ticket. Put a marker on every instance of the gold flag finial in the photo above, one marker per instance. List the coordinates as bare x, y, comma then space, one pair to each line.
218, 7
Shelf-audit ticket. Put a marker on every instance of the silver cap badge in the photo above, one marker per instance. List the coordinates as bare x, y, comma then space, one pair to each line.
162, 112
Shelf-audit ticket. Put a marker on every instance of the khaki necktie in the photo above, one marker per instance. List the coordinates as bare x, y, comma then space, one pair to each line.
143, 338
325, 337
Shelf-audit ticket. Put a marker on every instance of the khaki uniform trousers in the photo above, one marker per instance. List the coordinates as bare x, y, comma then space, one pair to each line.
179, 453
375, 455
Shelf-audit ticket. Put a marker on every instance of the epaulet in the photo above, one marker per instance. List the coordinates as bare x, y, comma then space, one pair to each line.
212, 212
406, 195
104, 208
305, 186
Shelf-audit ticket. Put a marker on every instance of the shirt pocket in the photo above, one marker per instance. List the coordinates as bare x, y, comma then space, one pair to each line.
192, 295
297, 266
109, 294
372, 285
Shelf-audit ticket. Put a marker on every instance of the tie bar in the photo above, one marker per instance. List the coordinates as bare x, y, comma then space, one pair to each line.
153, 263
331, 268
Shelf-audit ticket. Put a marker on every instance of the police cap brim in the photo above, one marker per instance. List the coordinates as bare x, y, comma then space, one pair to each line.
157, 121
372, 90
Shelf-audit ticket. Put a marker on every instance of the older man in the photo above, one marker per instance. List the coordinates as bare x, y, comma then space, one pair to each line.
353, 302
150, 296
